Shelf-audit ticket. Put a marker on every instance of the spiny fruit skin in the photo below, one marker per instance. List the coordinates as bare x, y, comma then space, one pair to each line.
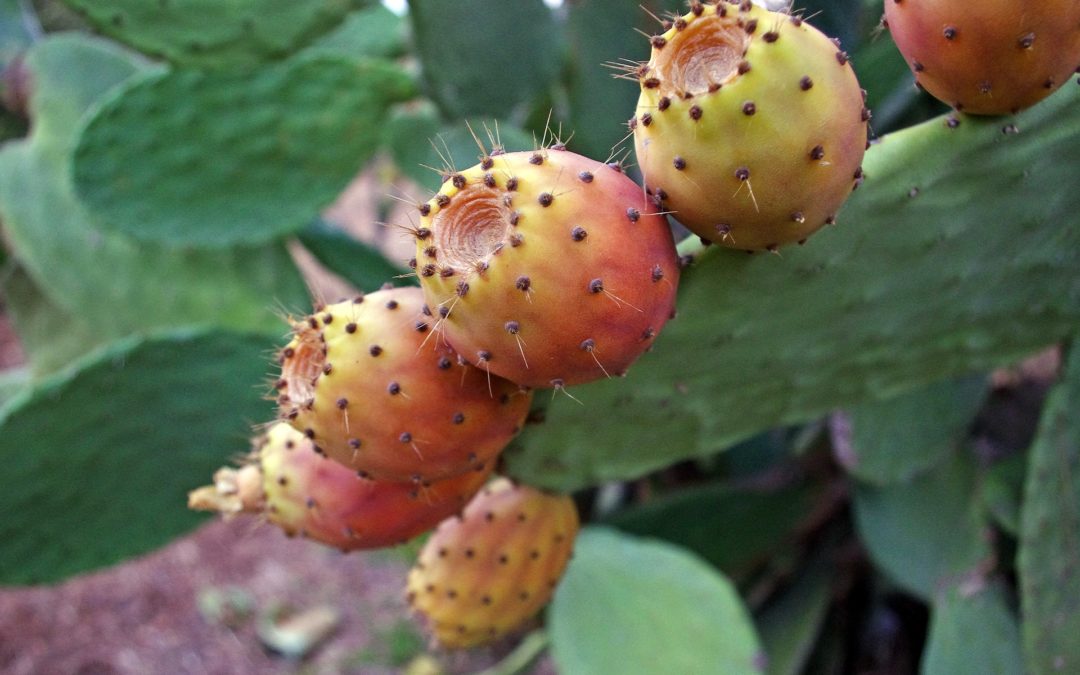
991, 57
368, 381
750, 127
484, 574
547, 268
304, 493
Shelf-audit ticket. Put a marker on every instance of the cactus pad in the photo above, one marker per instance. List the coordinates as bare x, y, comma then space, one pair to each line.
283, 141
211, 33
113, 284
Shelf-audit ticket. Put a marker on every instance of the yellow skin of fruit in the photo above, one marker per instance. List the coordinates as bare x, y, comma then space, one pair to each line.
992, 57
484, 574
388, 398
769, 143
516, 273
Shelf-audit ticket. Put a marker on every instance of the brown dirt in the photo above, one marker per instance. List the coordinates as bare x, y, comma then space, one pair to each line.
143, 617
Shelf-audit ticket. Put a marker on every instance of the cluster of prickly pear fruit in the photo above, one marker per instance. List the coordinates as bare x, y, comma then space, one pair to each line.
750, 127
546, 268
987, 58
306, 494
485, 573
372, 385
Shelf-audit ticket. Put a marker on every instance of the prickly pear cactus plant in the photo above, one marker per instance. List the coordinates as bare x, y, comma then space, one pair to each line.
855, 454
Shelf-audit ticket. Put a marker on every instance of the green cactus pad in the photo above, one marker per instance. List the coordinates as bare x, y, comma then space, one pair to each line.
733, 529
373, 31
143, 422
113, 284
972, 630
939, 267
50, 336
893, 440
599, 34
928, 533
628, 604
213, 159
211, 33
790, 624
1049, 557
419, 142
354, 261
499, 56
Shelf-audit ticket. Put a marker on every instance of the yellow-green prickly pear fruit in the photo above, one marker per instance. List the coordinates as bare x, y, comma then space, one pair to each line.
751, 126
487, 572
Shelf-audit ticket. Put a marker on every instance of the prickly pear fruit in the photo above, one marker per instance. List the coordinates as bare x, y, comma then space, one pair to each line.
305, 493
750, 126
485, 573
991, 57
373, 387
546, 268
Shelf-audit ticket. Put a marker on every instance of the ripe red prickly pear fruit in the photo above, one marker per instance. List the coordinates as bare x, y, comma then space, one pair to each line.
485, 573
750, 127
991, 57
373, 387
547, 268
305, 493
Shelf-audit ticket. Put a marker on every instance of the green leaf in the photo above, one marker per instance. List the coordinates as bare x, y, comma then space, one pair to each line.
972, 631
600, 33
50, 336
485, 58
928, 533
424, 148
634, 605
113, 284
1049, 557
98, 459
212, 33
13, 381
359, 264
283, 142
1003, 491
790, 624
17, 27
921, 281
892, 441
372, 32
734, 529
